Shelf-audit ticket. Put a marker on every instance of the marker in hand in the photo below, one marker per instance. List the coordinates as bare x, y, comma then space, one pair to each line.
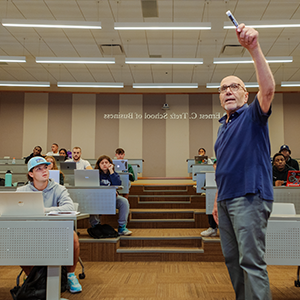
232, 18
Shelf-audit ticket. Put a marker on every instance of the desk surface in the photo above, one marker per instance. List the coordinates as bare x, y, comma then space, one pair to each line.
284, 217
35, 218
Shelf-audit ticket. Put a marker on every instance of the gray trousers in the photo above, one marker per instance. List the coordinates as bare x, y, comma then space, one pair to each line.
243, 225
122, 205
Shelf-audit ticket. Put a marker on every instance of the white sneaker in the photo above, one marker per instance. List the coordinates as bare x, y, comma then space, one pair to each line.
209, 232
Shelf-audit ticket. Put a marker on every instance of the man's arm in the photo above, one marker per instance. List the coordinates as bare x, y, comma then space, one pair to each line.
215, 209
248, 38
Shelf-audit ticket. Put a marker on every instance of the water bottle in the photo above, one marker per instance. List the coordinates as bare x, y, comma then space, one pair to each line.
8, 178
13, 161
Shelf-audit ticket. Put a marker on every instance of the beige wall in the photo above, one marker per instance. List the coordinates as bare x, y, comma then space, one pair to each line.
84, 123
100, 123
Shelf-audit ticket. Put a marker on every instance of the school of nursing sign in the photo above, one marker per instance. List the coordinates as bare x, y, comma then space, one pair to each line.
163, 116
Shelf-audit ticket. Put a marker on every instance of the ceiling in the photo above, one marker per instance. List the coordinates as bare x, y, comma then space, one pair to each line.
207, 44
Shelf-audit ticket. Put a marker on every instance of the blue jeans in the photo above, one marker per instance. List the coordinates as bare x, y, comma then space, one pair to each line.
123, 205
243, 225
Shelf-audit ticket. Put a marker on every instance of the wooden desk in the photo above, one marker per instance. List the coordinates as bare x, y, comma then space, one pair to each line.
38, 241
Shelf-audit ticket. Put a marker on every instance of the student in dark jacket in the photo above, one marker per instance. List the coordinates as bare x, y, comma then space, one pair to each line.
108, 177
37, 151
280, 170
285, 150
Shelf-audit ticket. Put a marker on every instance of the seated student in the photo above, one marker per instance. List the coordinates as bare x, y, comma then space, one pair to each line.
37, 151
81, 164
202, 152
109, 177
54, 150
56, 198
53, 166
120, 154
212, 230
280, 170
63, 152
285, 150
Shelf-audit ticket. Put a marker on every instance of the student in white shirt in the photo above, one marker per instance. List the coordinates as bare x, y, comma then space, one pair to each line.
54, 150
81, 164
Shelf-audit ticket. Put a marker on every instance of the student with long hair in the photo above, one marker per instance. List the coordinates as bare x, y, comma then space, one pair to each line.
53, 166
108, 177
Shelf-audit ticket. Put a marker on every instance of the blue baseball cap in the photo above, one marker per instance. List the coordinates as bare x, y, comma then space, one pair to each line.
285, 147
35, 161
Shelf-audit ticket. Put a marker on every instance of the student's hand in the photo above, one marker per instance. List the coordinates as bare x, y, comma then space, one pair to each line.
111, 169
279, 182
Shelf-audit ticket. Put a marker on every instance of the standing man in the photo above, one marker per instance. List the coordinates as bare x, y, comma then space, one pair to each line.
56, 198
244, 175
54, 150
81, 164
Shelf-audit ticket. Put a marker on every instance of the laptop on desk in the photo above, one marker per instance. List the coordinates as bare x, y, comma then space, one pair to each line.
22, 204
68, 167
86, 178
200, 159
121, 165
293, 178
59, 158
54, 174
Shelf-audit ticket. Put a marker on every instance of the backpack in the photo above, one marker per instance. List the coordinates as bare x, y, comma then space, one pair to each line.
102, 232
34, 286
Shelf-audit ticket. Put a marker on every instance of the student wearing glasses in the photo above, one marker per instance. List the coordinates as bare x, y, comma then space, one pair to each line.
244, 199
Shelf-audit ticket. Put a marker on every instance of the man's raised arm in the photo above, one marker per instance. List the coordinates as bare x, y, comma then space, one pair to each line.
248, 38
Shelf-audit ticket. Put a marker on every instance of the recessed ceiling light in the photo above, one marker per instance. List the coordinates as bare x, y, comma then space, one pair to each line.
165, 85
267, 24
74, 60
50, 24
13, 59
25, 83
164, 61
249, 60
161, 26
217, 85
290, 83
91, 84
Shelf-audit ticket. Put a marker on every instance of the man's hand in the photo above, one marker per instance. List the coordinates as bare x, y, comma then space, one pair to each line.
248, 37
215, 210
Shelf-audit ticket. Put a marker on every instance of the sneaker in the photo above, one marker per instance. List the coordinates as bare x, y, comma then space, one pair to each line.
74, 285
122, 230
209, 232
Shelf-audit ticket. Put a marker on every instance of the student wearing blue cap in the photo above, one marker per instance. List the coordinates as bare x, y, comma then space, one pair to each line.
56, 198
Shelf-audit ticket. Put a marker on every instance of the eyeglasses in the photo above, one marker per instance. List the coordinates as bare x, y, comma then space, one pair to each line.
234, 87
